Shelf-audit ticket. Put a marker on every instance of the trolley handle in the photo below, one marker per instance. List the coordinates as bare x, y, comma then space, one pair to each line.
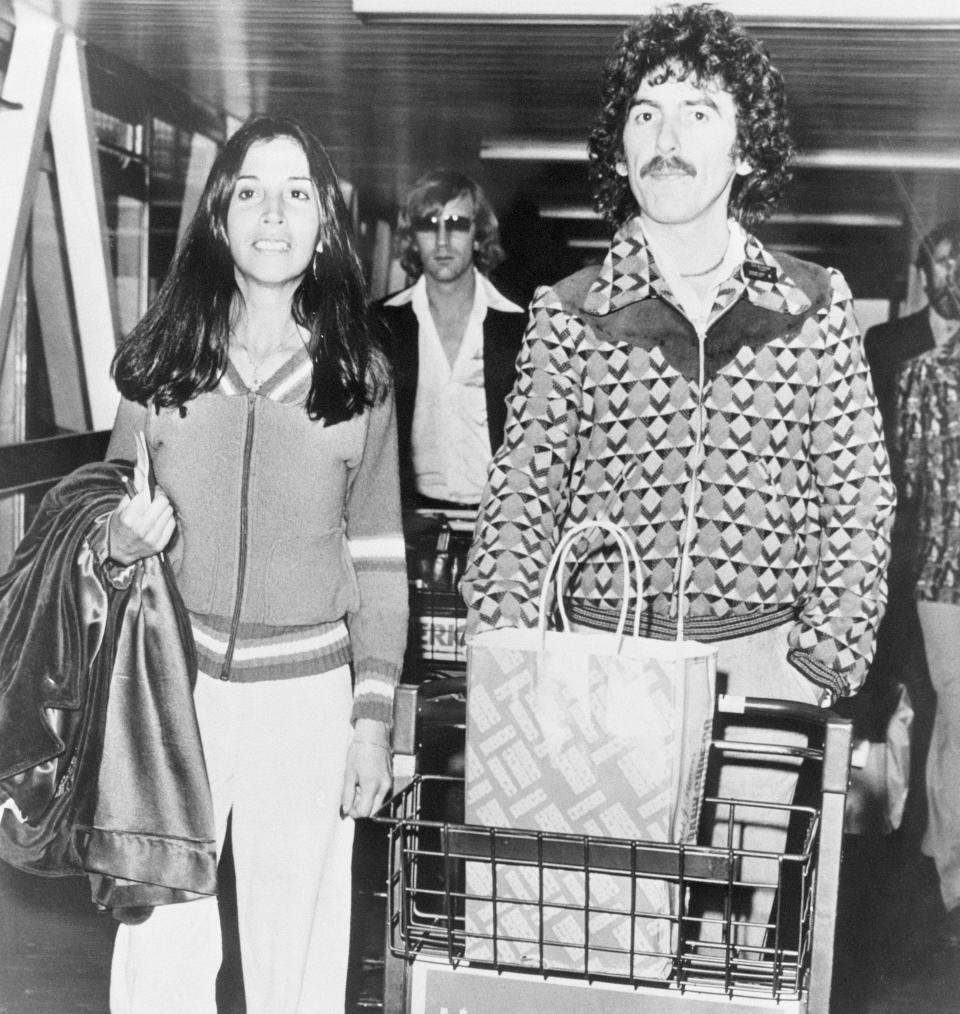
456, 686
731, 704
440, 702
431, 696
437, 702
837, 738
442, 686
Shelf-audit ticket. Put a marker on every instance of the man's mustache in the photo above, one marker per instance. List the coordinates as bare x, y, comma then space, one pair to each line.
659, 164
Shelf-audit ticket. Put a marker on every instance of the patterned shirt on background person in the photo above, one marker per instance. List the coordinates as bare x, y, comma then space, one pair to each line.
927, 424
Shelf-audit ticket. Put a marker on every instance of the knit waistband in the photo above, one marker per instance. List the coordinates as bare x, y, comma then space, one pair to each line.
695, 628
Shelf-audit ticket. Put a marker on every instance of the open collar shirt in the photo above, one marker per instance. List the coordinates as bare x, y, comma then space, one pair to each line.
450, 437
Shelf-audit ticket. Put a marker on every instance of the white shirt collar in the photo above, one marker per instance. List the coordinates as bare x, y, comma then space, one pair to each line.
486, 295
682, 289
450, 435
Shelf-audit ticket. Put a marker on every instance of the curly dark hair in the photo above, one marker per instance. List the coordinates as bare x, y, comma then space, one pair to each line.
944, 231
429, 194
703, 43
179, 348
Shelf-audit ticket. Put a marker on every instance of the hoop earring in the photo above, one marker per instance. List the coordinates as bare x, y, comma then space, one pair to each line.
314, 262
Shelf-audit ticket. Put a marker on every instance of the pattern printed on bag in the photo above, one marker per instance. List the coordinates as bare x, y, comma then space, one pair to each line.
597, 754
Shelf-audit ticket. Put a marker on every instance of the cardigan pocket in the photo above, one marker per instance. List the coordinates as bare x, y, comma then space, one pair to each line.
309, 579
199, 581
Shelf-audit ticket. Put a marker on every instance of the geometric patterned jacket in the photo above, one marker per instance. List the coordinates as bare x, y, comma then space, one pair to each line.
748, 462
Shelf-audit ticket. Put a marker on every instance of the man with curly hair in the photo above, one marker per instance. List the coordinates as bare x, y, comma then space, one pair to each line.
707, 394
455, 341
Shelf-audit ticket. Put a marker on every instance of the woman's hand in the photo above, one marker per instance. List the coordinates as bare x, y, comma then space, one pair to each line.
368, 775
141, 527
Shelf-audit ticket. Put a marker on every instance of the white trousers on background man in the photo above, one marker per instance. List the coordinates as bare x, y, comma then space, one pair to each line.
940, 624
275, 754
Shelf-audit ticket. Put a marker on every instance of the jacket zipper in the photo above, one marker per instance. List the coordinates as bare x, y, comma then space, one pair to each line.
242, 554
683, 567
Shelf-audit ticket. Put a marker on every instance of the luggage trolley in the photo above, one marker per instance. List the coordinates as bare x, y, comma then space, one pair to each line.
432, 946
437, 543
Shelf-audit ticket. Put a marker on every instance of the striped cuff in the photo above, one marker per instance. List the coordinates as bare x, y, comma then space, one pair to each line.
373, 693
817, 673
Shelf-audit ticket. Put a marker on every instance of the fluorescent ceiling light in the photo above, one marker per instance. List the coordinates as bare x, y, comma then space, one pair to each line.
842, 219
904, 160
630, 10
838, 220
529, 149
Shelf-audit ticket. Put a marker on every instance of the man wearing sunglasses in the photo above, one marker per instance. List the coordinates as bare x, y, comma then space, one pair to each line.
454, 343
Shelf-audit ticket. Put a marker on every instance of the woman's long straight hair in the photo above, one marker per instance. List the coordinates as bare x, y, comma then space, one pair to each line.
179, 349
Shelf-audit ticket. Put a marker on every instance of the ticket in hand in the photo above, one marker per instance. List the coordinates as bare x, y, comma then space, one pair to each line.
143, 470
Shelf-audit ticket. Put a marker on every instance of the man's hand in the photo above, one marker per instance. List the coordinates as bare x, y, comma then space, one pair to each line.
368, 775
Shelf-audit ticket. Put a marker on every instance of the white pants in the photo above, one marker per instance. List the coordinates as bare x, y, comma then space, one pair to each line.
757, 666
940, 623
275, 754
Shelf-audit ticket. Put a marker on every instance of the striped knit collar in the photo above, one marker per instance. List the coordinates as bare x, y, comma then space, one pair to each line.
290, 384
629, 274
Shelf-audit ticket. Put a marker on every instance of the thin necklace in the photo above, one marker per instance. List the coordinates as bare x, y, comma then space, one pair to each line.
706, 271
256, 381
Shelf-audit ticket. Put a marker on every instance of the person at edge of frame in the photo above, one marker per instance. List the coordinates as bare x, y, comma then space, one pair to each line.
916, 366
268, 413
711, 397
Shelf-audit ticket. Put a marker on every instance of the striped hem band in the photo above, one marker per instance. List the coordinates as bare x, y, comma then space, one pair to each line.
696, 628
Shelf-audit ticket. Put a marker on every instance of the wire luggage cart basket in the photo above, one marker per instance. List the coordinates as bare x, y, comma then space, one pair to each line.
709, 949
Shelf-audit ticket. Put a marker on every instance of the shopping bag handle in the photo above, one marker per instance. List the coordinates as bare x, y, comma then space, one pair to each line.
556, 569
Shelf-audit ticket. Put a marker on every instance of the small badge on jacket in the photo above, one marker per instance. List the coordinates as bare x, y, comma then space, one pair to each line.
758, 272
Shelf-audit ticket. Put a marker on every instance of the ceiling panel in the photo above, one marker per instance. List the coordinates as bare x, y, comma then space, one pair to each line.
393, 98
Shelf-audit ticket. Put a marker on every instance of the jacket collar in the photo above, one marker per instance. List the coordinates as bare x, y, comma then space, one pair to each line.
629, 274
290, 384
486, 294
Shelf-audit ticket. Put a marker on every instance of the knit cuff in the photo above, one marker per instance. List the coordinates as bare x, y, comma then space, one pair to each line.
832, 685
374, 690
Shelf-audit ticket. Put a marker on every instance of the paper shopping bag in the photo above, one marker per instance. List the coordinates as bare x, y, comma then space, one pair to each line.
584, 733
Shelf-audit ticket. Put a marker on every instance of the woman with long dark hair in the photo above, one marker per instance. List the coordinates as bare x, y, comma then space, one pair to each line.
266, 411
